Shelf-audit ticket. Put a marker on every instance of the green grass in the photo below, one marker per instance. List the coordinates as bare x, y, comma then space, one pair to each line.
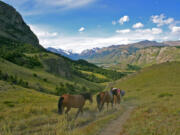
26, 111
42, 80
156, 92
95, 74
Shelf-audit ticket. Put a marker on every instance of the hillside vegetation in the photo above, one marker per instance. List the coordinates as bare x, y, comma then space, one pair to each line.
155, 91
48, 72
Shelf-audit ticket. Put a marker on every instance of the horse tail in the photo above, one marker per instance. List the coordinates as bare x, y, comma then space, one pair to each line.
60, 105
98, 99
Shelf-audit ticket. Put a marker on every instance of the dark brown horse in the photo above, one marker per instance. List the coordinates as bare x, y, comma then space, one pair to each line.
105, 97
73, 101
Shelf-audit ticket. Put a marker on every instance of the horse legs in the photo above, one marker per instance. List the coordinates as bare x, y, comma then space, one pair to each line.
67, 110
107, 106
115, 99
102, 104
79, 110
112, 104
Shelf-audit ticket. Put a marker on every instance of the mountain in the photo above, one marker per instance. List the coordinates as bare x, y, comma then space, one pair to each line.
12, 26
120, 54
172, 43
141, 54
25, 63
69, 54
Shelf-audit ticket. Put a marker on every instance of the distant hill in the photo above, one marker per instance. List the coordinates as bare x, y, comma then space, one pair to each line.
142, 54
173, 43
12, 26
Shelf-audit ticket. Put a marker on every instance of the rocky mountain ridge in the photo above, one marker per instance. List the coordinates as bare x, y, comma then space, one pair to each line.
141, 53
12, 26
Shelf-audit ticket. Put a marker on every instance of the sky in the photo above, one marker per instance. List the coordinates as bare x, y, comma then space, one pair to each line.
77, 25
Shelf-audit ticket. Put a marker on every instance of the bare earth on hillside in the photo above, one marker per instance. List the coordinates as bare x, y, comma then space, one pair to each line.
115, 127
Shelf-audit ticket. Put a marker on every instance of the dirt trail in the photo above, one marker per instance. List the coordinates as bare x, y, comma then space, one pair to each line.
115, 127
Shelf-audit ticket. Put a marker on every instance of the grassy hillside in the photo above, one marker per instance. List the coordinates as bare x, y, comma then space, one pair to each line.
31, 81
26, 111
48, 72
155, 91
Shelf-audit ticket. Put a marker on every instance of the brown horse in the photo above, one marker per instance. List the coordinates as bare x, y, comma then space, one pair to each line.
73, 101
117, 98
105, 97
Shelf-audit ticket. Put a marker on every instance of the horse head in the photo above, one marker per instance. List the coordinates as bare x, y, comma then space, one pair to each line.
87, 96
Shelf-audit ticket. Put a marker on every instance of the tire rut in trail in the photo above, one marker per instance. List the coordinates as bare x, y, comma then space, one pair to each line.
115, 127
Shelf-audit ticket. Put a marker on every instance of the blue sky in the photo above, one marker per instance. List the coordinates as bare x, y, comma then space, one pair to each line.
84, 24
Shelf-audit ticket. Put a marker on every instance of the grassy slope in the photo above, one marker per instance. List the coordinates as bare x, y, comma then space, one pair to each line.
26, 111
33, 111
36, 82
95, 74
156, 92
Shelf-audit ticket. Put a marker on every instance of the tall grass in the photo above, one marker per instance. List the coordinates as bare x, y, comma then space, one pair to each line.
156, 92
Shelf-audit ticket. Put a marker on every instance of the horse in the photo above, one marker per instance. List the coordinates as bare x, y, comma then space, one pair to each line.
73, 101
117, 98
105, 97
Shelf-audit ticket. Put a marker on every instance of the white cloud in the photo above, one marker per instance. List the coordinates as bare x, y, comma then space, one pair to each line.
65, 3
43, 33
138, 25
123, 31
124, 19
175, 29
153, 31
156, 31
160, 20
80, 43
81, 29
46, 6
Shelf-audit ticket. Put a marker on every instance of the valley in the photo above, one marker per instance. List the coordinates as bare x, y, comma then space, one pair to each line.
33, 78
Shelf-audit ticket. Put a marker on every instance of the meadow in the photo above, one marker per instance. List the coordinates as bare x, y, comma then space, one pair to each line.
153, 91
26, 111
156, 92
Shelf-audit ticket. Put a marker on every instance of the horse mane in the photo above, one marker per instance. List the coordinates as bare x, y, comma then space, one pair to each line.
86, 95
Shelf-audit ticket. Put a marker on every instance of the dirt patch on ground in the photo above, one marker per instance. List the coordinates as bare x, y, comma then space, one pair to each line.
115, 127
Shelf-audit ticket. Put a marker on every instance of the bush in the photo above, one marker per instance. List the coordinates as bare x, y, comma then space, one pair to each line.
9, 103
13, 79
35, 75
14, 52
133, 67
68, 88
165, 95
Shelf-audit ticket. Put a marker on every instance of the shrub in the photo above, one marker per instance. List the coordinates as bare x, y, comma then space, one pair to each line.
13, 79
35, 75
165, 95
45, 79
9, 103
